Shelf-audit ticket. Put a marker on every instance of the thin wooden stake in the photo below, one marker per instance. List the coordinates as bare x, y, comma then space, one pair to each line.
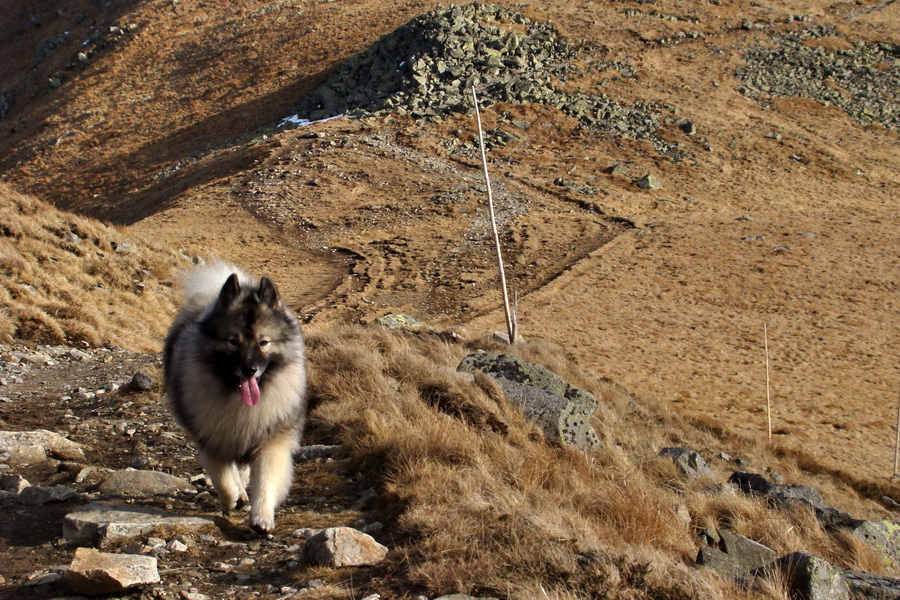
515, 315
768, 395
510, 326
897, 443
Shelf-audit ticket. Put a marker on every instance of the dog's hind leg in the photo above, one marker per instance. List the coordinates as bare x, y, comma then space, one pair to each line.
271, 474
227, 479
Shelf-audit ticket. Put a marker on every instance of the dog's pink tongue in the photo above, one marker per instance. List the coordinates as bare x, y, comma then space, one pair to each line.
250, 391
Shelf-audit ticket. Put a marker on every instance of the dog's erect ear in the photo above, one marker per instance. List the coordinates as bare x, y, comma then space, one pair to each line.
229, 293
268, 295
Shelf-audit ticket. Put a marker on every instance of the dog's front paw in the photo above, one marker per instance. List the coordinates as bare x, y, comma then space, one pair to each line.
263, 523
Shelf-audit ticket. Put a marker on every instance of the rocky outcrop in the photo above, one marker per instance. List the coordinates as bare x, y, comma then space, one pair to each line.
428, 66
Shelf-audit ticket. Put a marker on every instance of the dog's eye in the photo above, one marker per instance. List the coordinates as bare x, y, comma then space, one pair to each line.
263, 343
234, 342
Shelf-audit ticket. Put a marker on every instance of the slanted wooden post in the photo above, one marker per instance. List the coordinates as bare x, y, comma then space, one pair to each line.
511, 320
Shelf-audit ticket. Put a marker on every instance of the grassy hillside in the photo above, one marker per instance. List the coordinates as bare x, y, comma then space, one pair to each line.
70, 279
480, 503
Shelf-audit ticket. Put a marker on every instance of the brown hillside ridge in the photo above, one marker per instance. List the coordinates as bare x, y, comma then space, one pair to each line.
69, 279
670, 177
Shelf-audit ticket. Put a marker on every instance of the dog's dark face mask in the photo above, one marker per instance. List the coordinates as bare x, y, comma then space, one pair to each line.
246, 329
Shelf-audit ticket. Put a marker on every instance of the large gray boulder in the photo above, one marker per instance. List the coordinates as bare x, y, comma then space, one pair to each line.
562, 411
100, 525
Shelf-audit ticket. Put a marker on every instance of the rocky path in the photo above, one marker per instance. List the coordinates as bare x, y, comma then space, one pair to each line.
101, 464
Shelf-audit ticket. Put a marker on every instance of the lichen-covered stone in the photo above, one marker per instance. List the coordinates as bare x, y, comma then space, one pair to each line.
883, 536
562, 411
871, 586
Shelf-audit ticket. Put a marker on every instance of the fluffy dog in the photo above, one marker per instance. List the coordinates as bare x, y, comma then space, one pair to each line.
235, 371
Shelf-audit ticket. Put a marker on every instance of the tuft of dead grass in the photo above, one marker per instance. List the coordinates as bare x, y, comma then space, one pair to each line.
73, 280
480, 503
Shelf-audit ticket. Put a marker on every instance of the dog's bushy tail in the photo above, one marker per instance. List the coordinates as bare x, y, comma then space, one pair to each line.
200, 287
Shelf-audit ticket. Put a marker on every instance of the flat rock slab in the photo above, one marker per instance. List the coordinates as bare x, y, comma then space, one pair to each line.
100, 525
143, 484
40, 442
36, 495
95, 573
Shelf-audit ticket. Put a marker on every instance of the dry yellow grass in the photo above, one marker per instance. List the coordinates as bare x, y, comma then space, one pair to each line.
70, 279
482, 504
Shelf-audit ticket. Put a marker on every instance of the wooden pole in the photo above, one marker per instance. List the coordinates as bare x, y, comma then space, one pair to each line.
510, 326
768, 394
897, 442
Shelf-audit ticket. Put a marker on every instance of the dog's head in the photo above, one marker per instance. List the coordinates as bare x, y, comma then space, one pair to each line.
250, 331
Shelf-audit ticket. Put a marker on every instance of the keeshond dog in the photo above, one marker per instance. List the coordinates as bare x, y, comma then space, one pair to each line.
234, 364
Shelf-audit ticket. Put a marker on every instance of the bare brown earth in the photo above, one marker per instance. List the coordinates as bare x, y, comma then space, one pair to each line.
168, 128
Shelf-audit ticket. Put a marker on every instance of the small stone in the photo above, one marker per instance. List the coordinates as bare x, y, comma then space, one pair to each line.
13, 483
141, 382
649, 182
618, 169
177, 546
45, 441
78, 355
688, 461
343, 547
